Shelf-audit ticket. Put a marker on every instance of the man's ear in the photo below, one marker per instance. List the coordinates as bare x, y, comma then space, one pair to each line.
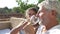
54, 12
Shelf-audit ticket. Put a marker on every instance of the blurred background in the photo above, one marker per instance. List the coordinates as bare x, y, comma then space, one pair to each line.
15, 8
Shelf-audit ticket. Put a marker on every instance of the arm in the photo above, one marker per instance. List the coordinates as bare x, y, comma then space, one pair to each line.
18, 28
29, 29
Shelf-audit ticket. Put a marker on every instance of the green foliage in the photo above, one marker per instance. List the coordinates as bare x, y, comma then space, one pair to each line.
39, 1
24, 5
16, 10
59, 0
5, 10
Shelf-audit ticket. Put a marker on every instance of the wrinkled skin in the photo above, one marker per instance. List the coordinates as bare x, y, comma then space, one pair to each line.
48, 17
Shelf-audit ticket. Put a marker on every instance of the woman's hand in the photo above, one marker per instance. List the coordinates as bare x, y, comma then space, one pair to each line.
18, 28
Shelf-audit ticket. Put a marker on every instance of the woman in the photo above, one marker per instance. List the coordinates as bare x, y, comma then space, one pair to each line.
30, 28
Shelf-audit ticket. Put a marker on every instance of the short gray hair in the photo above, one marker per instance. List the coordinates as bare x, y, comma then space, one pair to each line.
51, 5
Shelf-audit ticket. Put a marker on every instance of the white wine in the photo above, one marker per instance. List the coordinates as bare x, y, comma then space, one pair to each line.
34, 20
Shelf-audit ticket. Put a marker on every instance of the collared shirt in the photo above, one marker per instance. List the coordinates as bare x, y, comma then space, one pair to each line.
53, 30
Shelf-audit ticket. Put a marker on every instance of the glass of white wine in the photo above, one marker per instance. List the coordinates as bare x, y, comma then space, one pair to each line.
34, 20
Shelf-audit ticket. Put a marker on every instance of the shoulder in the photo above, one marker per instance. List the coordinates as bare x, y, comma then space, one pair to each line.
56, 27
54, 30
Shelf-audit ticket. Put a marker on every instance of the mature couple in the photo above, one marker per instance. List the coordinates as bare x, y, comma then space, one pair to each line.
47, 23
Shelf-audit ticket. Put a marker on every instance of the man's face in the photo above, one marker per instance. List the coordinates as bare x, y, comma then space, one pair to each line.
45, 16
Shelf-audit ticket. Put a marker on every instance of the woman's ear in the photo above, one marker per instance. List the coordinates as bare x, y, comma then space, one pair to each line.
54, 12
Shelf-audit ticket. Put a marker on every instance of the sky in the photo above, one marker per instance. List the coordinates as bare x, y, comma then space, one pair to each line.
13, 3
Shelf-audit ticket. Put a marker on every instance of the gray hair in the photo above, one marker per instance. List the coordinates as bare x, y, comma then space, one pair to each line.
50, 5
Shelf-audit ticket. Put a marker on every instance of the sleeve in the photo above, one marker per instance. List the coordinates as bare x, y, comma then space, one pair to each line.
46, 32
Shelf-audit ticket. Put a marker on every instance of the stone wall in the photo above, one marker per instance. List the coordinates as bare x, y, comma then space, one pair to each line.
6, 17
2, 16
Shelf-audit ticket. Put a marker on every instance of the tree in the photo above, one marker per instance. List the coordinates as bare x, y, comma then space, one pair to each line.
7, 10
24, 5
16, 10
59, 0
39, 1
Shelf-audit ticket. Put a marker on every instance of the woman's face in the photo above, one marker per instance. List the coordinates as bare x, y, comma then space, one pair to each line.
31, 13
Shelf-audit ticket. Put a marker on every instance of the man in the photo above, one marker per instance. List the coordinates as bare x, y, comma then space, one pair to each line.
47, 14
